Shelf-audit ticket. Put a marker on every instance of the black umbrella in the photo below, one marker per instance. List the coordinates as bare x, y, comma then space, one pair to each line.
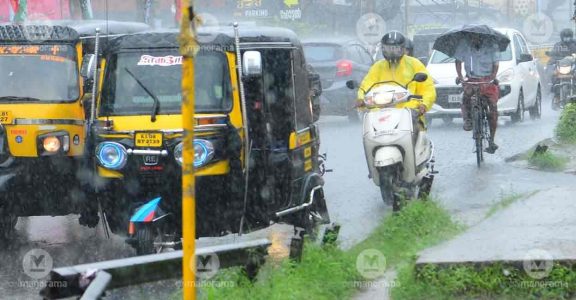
449, 40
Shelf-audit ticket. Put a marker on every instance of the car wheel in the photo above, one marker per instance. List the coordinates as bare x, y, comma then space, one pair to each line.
536, 110
518, 116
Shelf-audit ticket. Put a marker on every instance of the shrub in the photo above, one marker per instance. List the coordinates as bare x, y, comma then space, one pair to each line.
566, 128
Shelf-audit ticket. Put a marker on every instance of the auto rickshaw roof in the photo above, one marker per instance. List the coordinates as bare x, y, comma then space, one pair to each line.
64, 31
218, 38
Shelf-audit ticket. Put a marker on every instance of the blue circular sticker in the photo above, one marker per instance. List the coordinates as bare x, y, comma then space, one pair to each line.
19, 139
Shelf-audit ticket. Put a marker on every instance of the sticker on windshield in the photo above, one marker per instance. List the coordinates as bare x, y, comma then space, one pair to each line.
163, 61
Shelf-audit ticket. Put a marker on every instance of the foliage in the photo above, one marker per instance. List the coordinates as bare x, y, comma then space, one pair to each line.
548, 161
495, 281
330, 273
566, 127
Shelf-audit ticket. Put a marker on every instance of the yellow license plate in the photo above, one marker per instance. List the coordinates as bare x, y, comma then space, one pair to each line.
5, 117
148, 139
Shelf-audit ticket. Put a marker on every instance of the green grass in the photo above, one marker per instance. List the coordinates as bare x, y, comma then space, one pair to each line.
566, 127
330, 273
506, 200
495, 281
548, 161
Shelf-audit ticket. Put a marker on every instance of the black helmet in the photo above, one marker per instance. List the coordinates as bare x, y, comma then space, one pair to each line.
566, 35
393, 46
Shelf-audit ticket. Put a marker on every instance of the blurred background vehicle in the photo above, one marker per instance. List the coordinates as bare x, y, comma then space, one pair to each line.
520, 87
337, 61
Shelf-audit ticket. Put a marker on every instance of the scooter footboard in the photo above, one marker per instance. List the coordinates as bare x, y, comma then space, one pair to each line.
387, 156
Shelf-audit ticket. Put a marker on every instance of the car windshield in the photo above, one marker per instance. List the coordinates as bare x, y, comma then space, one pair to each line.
441, 58
39, 73
321, 52
133, 79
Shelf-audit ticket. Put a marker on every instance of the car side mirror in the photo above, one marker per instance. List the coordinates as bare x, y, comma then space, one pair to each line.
252, 63
525, 57
352, 84
88, 66
420, 77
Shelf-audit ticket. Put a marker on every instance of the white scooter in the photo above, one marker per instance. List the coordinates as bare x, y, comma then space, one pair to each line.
400, 156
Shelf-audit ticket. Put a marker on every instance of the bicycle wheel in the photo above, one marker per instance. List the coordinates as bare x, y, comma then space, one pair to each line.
477, 132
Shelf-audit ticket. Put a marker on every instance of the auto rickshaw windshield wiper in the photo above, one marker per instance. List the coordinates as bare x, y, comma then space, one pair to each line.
17, 98
156, 107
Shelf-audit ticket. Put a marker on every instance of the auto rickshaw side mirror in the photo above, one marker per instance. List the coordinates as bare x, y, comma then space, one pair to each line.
88, 65
352, 84
420, 77
252, 63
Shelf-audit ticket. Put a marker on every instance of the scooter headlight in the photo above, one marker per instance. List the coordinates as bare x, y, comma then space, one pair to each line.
203, 152
564, 70
178, 153
383, 98
111, 155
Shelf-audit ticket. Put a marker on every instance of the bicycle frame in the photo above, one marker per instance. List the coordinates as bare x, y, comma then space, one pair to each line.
480, 122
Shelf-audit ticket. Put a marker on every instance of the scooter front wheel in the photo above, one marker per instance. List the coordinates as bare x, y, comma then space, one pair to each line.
388, 178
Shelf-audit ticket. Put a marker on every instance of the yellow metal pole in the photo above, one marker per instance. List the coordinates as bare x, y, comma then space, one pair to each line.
188, 49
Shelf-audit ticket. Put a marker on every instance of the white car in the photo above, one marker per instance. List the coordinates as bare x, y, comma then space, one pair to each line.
520, 88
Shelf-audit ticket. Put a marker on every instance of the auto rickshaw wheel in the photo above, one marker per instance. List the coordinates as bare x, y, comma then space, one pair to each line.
145, 237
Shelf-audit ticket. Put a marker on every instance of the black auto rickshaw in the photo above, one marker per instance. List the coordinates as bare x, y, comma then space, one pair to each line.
253, 166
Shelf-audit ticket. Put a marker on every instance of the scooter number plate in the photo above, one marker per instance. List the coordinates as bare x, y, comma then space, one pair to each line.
148, 139
454, 98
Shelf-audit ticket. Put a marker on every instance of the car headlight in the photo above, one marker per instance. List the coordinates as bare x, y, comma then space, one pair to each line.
565, 70
53, 143
178, 153
111, 155
203, 152
506, 76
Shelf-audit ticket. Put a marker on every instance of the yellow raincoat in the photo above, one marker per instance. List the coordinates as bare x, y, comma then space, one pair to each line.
402, 73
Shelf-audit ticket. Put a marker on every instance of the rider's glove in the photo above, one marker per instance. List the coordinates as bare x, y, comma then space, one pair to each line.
422, 109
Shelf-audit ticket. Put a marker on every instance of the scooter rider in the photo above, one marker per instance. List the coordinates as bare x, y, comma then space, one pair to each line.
565, 47
399, 67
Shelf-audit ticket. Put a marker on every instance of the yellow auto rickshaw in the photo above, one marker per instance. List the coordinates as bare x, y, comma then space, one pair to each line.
42, 118
256, 148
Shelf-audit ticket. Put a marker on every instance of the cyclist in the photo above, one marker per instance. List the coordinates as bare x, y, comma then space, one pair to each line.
399, 67
481, 65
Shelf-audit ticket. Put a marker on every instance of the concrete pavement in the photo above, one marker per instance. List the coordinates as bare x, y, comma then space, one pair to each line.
545, 221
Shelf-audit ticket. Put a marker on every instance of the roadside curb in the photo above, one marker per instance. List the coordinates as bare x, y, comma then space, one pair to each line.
542, 221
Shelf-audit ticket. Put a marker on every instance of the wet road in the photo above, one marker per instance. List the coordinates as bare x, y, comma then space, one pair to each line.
466, 191
353, 200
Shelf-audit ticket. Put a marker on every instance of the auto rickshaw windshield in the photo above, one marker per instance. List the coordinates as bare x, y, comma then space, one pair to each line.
40, 73
131, 74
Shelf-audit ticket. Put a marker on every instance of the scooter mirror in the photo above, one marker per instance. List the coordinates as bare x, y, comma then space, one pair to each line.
420, 77
351, 84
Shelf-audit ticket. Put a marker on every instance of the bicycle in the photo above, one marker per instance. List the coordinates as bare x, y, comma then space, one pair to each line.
480, 112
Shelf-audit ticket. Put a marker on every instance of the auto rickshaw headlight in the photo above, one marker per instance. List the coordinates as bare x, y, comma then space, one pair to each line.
53, 143
203, 152
178, 153
111, 155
